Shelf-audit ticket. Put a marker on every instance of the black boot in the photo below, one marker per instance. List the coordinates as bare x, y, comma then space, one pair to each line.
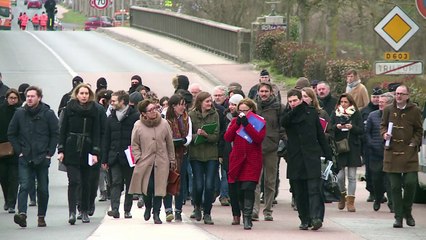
247, 222
248, 209
156, 217
72, 218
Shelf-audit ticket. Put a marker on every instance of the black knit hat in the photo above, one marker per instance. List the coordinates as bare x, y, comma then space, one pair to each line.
264, 72
137, 77
101, 83
377, 91
76, 80
393, 86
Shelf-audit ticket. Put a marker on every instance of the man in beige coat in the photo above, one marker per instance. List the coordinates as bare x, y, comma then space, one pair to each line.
356, 89
153, 151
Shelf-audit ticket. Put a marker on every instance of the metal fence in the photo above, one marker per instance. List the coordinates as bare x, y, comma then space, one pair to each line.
229, 41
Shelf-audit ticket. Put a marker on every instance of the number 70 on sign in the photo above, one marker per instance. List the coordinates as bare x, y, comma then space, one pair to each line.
100, 4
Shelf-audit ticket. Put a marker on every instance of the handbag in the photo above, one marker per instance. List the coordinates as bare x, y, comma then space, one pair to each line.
173, 183
342, 146
6, 149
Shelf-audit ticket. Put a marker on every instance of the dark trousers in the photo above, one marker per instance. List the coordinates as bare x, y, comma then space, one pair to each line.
151, 201
204, 181
93, 184
402, 205
121, 174
235, 203
78, 187
26, 183
9, 182
381, 185
309, 200
180, 198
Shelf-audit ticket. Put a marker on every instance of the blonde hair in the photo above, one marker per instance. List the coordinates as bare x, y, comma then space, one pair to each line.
83, 85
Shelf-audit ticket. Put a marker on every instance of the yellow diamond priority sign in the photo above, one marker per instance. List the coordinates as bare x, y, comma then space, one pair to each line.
396, 28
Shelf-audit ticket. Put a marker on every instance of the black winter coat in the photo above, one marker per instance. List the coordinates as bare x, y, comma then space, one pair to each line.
80, 133
6, 114
118, 137
306, 142
34, 133
328, 104
353, 157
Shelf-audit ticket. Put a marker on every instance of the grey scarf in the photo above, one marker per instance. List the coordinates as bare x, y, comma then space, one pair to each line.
121, 113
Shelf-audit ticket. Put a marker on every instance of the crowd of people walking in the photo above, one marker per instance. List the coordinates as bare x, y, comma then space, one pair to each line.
222, 144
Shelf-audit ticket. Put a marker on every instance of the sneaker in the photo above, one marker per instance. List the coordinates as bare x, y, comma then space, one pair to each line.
32, 203
20, 219
127, 214
224, 201
316, 224
11, 210
178, 217
268, 217
114, 213
41, 222
208, 219
169, 216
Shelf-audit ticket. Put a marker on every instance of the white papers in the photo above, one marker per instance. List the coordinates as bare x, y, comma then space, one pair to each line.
90, 160
129, 156
390, 126
327, 171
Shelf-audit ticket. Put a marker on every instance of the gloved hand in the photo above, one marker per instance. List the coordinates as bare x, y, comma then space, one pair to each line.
244, 121
184, 140
238, 121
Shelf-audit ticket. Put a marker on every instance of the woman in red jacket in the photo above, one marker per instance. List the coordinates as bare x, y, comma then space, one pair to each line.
245, 160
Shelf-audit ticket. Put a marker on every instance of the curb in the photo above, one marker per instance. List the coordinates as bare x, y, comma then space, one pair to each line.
151, 49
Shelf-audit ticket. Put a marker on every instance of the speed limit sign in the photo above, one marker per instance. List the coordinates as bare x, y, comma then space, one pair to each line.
99, 4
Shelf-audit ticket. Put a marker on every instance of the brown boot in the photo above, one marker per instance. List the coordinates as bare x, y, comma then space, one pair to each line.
342, 201
236, 220
351, 203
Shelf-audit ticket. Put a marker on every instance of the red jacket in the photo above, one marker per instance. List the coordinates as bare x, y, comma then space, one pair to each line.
43, 20
35, 20
24, 20
245, 159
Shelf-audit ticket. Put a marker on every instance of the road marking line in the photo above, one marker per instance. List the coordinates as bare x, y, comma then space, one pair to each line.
66, 66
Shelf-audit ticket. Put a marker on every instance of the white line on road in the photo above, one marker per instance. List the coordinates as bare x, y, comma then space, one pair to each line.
66, 66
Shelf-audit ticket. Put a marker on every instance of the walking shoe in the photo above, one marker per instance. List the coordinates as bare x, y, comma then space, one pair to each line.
197, 214
103, 197
178, 217
114, 213
32, 203
169, 216
192, 214
127, 214
72, 219
140, 202
224, 201
275, 202
370, 198
254, 217
267, 216
41, 222
91, 210
84, 217
376, 206
304, 226
410, 221
5, 207
316, 224
384, 199
79, 216
20, 219
11, 210
397, 223
156, 217
208, 219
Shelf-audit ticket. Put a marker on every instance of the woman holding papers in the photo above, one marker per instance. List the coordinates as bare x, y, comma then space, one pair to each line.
152, 148
79, 148
203, 154
180, 123
347, 123
245, 160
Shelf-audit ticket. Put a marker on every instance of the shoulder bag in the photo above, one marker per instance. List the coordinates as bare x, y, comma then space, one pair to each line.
6, 149
173, 183
342, 146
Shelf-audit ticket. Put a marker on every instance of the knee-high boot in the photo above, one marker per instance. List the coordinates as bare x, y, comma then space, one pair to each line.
248, 209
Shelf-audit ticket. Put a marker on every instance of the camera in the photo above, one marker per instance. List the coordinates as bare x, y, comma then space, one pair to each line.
241, 115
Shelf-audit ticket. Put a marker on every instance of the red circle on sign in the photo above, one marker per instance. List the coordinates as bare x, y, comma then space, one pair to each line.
421, 7
101, 4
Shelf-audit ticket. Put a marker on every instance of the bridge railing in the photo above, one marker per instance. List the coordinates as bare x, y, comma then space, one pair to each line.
226, 40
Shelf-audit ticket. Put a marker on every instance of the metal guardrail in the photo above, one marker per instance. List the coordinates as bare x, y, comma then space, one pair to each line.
229, 41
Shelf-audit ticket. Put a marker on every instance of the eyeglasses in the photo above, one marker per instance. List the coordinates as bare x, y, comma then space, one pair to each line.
151, 110
244, 110
12, 98
401, 94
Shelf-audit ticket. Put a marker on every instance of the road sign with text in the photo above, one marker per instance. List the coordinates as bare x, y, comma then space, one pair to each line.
399, 68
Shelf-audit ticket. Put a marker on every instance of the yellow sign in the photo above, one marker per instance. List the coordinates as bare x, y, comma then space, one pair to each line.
396, 28
397, 56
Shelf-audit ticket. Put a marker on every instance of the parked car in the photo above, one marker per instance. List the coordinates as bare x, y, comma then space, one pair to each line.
34, 4
121, 14
93, 23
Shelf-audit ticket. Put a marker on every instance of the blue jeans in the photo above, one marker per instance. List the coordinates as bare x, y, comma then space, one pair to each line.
224, 190
26, 182
204, 181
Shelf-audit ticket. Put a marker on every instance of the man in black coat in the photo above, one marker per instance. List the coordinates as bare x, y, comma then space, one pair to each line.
67, 96
306, 145
117, 138
3, 90
33, 132
327, 102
